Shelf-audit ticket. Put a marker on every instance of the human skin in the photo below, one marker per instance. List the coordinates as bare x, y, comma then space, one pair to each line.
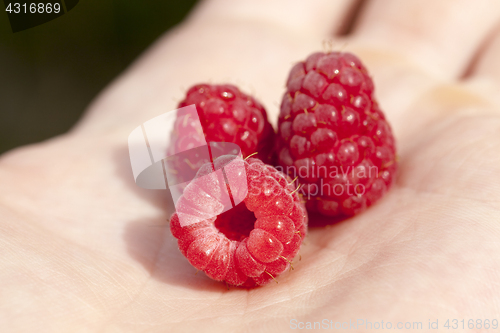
82, 248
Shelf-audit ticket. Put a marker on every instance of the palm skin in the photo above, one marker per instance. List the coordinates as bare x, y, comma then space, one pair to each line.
84, 249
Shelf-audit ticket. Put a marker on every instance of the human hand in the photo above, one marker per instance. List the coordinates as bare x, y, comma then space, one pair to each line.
84, 249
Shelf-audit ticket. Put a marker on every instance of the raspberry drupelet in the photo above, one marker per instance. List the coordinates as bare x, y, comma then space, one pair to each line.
333, 135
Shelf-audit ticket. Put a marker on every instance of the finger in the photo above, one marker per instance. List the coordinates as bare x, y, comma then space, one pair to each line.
439, 36
250, 44
316, 18
488, 64
484, 76
413, 49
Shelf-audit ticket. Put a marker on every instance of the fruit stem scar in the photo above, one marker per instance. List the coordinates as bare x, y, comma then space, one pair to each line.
271, 276
250, 155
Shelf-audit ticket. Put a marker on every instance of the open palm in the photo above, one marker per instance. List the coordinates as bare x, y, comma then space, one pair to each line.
82, 248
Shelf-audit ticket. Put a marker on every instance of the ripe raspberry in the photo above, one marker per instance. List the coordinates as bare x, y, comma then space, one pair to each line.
228, 115
252, 243
332, 134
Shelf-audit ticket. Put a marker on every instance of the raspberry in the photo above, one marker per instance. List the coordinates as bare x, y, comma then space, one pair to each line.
252, 243
333, 135
228, 115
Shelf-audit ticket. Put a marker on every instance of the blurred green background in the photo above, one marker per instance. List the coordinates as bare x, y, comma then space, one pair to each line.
50, 73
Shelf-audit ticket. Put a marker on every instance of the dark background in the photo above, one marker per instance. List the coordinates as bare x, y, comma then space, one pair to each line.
50, 73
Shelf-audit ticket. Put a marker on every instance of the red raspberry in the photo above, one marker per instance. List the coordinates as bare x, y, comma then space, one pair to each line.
252, 243
228, 115
332, 134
